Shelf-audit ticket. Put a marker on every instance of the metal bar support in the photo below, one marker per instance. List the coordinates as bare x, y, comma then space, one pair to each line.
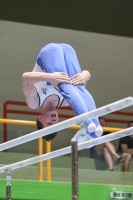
8, 185
74, 170
74, 156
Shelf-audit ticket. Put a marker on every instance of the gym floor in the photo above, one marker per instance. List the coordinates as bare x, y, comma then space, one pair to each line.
35, 190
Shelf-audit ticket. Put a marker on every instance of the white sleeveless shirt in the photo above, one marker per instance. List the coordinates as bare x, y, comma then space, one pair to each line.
46, 89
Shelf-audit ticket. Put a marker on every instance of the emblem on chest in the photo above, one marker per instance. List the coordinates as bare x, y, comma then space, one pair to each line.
44, 90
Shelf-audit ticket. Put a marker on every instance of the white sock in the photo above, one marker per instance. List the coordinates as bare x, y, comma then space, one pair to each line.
91, 128
99, 131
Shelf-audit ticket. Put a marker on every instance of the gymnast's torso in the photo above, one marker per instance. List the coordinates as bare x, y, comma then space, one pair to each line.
46, 92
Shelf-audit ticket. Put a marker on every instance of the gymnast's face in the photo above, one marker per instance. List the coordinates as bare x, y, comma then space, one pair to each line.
49, 118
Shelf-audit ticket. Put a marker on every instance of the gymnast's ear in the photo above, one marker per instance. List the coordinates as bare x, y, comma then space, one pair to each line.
39, 125
39, 117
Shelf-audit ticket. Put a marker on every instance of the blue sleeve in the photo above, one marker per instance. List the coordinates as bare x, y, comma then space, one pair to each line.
73, 97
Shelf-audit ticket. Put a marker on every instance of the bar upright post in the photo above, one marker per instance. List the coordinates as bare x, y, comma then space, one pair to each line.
74, 155
74, 151
8, 185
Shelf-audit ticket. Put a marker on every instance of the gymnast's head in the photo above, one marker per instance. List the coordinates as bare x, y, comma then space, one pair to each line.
48, 117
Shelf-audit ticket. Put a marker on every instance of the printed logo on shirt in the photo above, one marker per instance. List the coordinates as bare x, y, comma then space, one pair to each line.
44, 91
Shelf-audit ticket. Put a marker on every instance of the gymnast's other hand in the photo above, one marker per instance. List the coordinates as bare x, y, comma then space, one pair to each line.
59, 77
81, 78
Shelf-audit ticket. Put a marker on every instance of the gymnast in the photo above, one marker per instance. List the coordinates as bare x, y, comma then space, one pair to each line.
57, 80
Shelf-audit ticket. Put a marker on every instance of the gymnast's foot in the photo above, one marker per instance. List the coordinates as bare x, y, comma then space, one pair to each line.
91, 128
92, 132
98, 131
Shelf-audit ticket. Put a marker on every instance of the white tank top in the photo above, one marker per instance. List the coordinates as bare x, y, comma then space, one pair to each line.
46, 89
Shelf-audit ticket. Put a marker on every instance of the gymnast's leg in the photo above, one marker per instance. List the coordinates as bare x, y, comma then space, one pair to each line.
73, 68
89, 101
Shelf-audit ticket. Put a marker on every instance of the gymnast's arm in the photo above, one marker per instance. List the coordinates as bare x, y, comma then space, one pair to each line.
30, 78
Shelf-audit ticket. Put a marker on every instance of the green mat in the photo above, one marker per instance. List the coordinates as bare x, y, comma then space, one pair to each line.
35, 190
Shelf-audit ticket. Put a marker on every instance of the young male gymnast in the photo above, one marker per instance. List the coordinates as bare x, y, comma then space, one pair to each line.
57, 80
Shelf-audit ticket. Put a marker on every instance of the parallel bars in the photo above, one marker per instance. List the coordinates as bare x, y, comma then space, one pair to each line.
67, 150
81, 119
